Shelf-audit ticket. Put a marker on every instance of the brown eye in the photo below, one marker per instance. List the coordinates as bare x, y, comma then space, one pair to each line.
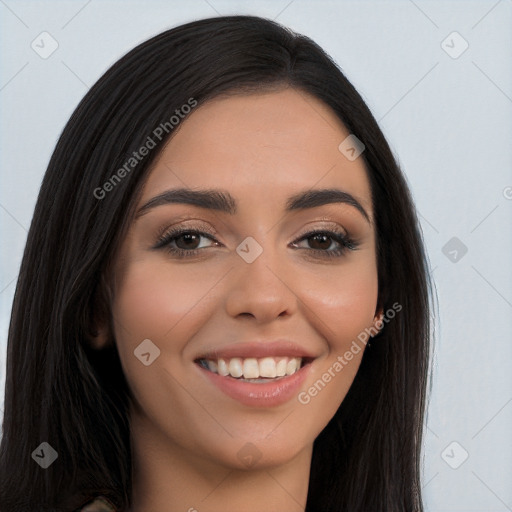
184, 242
320, 241
188, 240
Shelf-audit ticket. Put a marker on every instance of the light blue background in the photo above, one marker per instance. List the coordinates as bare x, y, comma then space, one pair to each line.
447, 120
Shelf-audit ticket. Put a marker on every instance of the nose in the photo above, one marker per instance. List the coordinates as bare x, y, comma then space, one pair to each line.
262, 289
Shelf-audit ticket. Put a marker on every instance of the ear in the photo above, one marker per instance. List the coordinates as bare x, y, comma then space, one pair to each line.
378, 319
100, 337
99, 333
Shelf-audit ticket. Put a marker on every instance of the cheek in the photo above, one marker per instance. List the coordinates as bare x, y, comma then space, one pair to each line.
167, 306
342, 301
156, 302
341, 307
163, 305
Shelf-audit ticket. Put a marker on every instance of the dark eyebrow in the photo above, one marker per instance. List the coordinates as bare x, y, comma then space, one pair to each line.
313, 198
223, 201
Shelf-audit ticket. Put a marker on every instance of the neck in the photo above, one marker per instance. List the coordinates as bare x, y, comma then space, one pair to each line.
167, 477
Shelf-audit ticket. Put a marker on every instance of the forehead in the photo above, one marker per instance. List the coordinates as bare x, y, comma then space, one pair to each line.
260, 147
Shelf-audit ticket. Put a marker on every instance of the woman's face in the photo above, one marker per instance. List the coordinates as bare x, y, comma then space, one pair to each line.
254, 288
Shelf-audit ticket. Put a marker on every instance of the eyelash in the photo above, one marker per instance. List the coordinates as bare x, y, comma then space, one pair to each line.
345, 241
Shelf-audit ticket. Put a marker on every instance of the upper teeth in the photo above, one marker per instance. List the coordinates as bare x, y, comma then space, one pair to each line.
252, 368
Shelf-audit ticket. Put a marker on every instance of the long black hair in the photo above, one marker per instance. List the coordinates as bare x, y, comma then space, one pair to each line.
61, 391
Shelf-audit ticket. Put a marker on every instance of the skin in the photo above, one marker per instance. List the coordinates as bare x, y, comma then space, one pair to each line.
186, 433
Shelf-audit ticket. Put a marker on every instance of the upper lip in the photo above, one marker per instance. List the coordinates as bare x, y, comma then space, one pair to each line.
257, 349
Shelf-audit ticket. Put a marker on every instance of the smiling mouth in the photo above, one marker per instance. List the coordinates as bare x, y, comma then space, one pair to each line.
250, 369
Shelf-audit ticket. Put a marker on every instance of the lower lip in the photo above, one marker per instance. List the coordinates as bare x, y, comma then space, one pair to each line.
263, 394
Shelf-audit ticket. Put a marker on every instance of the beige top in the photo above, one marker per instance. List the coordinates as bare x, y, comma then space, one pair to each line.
100, 504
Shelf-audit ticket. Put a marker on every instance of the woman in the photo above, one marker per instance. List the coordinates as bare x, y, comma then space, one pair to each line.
224, 301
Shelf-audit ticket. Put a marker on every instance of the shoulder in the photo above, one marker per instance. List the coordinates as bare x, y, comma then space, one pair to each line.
99, 504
